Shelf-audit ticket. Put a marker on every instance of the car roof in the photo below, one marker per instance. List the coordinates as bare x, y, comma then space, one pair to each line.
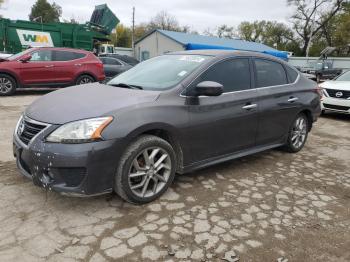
62, 49
224, 53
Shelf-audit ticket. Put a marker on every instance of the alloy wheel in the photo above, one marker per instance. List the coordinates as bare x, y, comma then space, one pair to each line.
149, 172
299, 132
5, 85
85, 80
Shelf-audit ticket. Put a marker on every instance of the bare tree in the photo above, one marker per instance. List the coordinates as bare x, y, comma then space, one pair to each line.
310, 16
164, 20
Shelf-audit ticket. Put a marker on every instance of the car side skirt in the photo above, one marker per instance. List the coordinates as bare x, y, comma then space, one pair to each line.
224, 158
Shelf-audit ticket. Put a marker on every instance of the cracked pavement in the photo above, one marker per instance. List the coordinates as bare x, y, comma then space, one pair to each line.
272, 206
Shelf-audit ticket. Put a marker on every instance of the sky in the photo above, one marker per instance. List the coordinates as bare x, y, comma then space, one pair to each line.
198, 14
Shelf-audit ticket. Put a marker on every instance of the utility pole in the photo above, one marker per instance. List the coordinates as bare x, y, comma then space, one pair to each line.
133, 31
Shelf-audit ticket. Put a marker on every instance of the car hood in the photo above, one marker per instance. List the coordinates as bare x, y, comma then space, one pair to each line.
338, 85
85, 101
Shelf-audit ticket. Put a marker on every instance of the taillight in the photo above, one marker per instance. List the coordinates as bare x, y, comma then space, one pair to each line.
319, 91
99, 65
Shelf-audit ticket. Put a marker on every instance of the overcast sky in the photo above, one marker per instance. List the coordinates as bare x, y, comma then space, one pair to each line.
198, 14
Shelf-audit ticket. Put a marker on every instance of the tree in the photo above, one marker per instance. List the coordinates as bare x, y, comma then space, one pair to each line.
122, 37
48, 12
165, 21
225, 31
251, 31
310, 16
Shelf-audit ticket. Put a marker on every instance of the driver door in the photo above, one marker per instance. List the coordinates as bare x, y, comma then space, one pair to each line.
224, 124
39, 69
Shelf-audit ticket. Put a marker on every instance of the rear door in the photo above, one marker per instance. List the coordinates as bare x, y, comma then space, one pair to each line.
278, 100
227, 123
67, 64
39, 70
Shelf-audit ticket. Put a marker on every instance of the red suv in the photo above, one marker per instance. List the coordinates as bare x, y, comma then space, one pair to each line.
49, 67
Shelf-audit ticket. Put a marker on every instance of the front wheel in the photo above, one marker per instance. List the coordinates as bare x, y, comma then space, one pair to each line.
146, 170
7, 85
297, 134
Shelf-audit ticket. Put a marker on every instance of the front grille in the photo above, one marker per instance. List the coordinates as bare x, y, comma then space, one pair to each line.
343, 108
27, 129
338, 93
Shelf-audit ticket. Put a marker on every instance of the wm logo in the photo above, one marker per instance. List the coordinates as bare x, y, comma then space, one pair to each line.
36, 38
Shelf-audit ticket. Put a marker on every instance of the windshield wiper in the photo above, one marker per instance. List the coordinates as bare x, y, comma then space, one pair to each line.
127, 86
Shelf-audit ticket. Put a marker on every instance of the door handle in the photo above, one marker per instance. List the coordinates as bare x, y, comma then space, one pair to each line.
249, 106
48, 66
292, 99
77, 64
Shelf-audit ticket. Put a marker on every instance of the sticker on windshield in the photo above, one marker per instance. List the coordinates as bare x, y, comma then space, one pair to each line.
192, 58
182, 73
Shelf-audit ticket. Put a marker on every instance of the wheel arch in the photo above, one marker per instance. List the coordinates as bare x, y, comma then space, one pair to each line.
13, 75
308, 114
165, 132
83, 73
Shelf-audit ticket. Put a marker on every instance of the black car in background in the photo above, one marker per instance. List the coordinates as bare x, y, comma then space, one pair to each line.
125, 58
113, 66
170, 114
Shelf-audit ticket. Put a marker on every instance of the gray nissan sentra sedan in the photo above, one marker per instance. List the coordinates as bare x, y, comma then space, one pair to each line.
171, 114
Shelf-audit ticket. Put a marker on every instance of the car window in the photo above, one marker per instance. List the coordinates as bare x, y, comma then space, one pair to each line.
162, 72
66, 55
269, 73
41, 55
292, 74
233, 74
111, 61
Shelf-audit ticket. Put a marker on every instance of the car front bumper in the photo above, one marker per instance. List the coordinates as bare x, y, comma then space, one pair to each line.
71, 169
336, 105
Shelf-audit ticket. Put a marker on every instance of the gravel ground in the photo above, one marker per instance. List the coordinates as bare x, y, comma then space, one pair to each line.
273, 206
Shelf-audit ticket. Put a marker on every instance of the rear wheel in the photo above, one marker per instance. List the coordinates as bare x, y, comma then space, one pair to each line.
146, 170
84, 79
7, 85
297, 134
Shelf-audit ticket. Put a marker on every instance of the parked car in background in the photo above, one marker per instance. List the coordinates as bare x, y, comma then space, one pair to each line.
125, 58
337, 94
323, 70
113, 66
49, 67
170, 114
309, 76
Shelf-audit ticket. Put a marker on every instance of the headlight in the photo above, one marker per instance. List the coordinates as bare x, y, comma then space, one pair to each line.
82, 131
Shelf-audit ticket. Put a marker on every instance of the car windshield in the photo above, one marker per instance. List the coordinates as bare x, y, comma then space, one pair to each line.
160, 73
344, 77
16, 56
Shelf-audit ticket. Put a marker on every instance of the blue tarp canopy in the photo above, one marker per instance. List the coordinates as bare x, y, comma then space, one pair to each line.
276, 53
195, 42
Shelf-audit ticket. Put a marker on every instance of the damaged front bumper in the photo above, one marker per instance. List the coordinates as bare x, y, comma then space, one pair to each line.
71, 169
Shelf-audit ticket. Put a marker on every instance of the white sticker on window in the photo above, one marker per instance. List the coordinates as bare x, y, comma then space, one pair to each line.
182, 73
192, 58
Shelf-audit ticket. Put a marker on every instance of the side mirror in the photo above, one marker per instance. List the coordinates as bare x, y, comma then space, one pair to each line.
209, 88
25, 58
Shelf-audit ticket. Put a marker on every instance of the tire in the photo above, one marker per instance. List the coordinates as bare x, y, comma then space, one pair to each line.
85, 79
8, 85
297, 135
147, 184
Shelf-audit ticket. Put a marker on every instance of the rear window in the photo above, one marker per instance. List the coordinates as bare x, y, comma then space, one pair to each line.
67, 55
292, 74
269, 73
